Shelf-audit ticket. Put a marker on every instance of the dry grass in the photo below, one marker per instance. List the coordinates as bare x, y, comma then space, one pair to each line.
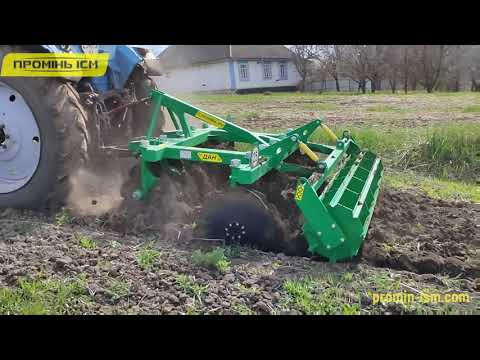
281, 110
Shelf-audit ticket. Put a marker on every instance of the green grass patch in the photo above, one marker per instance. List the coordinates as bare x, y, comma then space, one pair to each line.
347, 277
146, 257
62, 217
85, 241
214, 259
382, 142
472, 109
382, 282
242, 309
350, 292
191, 287
251, 290
436, 188
312, 297
233, 251
118, 289
193, 310
43, 297
448, 151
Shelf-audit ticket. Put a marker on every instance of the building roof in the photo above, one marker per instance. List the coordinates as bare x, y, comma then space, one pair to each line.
186, 55
261, 51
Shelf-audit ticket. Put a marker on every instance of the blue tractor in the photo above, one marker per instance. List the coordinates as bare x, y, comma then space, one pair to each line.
50, 126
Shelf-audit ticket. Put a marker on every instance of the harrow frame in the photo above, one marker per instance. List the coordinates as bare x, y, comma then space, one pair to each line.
336, 220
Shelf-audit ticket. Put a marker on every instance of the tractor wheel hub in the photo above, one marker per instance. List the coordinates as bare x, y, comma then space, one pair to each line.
19, 141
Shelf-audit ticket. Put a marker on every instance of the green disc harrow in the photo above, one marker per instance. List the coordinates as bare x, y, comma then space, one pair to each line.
336, 195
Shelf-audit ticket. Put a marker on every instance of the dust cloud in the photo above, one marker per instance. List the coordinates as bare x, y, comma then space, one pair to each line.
97, 192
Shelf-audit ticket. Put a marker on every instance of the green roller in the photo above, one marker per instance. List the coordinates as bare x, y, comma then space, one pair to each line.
336, 194
337, 220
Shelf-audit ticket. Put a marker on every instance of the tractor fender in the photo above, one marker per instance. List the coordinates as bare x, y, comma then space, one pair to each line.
123, 61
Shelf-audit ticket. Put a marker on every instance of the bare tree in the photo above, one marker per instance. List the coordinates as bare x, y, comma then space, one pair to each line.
330, 56
406, 65
355, 64
429, 64
433, 67
473, 67
396, 66
399, 67
303, 55
456, 67
392, 65
364, 62
376, 66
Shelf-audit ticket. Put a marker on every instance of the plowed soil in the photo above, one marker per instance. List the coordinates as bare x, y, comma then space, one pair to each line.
413, 240
415, 243
409, 230
413, 232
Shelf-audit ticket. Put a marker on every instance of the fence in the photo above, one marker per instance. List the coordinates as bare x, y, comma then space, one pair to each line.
344, 84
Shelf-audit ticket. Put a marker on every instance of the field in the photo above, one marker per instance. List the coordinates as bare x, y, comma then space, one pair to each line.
423, 241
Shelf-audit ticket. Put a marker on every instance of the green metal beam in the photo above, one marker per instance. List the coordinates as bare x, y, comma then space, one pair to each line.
181, 107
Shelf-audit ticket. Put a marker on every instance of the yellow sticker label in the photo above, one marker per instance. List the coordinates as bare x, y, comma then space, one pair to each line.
210, 119
54, 64
210, 157
299, 193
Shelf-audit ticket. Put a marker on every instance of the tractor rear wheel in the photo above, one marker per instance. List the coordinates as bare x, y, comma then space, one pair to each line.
43, 139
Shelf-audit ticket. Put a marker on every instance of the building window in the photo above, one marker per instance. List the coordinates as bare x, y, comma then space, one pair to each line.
267, 71
283, 71
243, 69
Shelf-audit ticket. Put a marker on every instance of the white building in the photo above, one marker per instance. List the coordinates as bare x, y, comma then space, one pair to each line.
239, 68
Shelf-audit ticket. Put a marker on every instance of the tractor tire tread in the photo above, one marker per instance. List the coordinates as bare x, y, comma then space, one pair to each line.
61, 102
